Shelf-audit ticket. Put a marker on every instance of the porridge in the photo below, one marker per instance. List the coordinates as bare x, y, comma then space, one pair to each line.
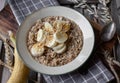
54, 41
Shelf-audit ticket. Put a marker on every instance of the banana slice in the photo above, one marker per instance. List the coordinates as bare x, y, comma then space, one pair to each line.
50, 41
58, 47
57, 25
66, 27
37, 49
40, 35
61, 25
61, 50
48, 27
60, 37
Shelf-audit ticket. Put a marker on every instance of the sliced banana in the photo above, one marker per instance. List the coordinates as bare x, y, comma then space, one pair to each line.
40, 35
50, 41
61, 25
37, 49
48, 27
60, 37
57, 25
66, 27
58, 47
61, 50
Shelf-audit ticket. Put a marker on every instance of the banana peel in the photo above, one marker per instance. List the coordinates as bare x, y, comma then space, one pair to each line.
20, 71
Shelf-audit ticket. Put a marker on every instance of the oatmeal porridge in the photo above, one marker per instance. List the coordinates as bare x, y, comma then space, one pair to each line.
54, 40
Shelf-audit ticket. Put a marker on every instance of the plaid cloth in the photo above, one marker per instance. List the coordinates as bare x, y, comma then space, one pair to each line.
95, 72
22, 8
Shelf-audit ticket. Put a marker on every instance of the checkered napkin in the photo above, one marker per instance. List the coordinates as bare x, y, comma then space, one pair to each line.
95, 72
22, 8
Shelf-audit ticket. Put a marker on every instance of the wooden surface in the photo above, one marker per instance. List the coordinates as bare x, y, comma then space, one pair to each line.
7, 21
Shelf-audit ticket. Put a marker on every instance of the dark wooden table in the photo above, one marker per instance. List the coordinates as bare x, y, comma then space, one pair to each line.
7, 21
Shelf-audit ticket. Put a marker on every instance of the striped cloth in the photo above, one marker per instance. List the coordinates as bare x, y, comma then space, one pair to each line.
95, 72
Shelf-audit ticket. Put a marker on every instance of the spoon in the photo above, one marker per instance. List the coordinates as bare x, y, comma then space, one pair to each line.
108, 31
118, 49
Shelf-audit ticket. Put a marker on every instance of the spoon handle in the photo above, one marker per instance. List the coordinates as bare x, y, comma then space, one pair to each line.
118, 38
114, 54
118, 49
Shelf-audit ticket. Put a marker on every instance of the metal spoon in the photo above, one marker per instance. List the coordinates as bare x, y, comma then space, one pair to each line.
108, 31
118, 50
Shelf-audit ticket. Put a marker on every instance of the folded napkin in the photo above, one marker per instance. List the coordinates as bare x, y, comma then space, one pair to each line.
94, 72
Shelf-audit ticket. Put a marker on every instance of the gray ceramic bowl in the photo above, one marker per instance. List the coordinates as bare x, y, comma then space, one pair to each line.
88, 40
